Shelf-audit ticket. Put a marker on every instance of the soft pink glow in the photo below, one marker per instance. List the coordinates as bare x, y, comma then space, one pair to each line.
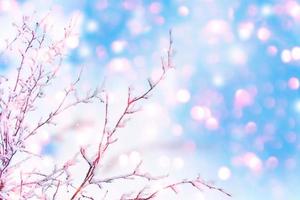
296, 53
217, 26
286, 56
252, 10
238, 56
119, 65
250, 127
212, 123
129, 4
272, 50
102, 5
183, 11
101, 52
243, 98
159, 20
135, 26
224, 173
293, 83
200, 113
190, 146
263, 34
217, 30
245, 30
253, 162
177, 130
293, 9
272, 162
155, 7
118, 46
7, 5
183, 96
72, 42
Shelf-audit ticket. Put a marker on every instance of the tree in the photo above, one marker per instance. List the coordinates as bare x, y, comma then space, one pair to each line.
39, 59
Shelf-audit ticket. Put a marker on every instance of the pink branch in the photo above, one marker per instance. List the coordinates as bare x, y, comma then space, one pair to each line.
20, 99
107, 135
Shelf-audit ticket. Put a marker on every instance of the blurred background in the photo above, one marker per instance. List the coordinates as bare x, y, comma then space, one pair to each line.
229, 111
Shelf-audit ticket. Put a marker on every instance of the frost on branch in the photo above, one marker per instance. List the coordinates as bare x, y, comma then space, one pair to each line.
39, 59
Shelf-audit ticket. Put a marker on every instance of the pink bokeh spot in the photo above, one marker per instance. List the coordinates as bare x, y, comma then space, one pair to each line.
8, 5
272, 162
286, 56
183, 96
245, 30
101, 52
155, 7
183, 11
250, 127
253, 162
212, 124
293, 83
272, 50
243, 98
217, 30
263, 34
200, 113
296, 53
